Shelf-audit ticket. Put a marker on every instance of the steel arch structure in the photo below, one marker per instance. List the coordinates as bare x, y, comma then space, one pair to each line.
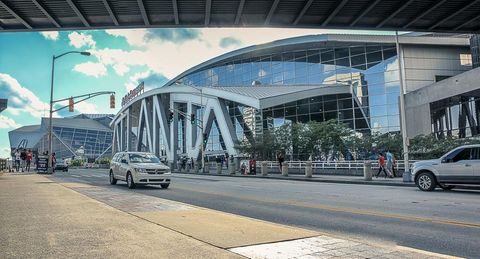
459, 16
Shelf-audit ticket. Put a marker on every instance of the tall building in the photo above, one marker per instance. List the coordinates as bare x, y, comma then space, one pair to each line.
354, 79
88, 135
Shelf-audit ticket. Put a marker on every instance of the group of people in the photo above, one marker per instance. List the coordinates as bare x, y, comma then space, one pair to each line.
185, 163
22, 159
387, 167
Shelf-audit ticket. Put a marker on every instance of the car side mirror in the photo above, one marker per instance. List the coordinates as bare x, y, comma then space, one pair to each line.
124, 161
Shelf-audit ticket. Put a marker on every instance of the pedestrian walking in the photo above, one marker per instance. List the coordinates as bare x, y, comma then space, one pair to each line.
29, 159
18, 157
192, 163
381, 165
280, 160
179, 164
226, 160
54, 162
389, 167
23, 157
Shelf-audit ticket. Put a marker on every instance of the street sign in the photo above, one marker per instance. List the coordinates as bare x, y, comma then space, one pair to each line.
42, 164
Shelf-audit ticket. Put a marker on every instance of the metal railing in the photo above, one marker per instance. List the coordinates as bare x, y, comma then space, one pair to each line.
350, 165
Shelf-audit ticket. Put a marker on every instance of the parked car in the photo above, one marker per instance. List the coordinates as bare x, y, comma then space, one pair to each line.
139, 168
61, 166
459, 166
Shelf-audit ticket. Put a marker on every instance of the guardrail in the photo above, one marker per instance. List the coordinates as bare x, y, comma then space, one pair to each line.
353, 165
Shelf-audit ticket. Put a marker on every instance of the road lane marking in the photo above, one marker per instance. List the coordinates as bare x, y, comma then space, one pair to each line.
352, 211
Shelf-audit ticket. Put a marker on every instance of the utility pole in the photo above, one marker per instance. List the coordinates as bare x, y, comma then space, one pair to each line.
406, 172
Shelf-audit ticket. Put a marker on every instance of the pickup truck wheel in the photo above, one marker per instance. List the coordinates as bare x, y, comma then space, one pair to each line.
447, 187
113, 181
426, 182
164, 185
130, 183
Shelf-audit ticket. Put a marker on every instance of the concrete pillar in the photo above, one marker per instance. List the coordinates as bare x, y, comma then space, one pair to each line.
219, 168
308, 169
232, 168
285, 169
264, 168
367, 171
207, 167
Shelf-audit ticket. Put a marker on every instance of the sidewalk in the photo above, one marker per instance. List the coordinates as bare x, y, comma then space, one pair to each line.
398, 181
41, 218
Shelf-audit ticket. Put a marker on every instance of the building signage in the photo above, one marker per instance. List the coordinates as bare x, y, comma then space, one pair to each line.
133, 93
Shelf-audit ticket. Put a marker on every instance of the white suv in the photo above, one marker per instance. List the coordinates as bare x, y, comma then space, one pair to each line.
459, 166
139, 168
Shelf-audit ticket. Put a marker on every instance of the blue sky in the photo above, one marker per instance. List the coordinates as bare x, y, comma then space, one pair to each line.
120, 60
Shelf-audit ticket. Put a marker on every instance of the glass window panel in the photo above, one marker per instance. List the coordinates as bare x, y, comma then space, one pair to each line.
394, 121
303, 118
291, 111
303, 109
316, 107
388, 53
373, 48
392, 98
360, 67
358, 60
377, 111
316, 117
314, 58
278, 113
316, 99
327, 57
345, 103
345, 62
357, 50
331, 115
345, 114
301, 80
288, 56
374, 57
341, 53
330, 106
378, 100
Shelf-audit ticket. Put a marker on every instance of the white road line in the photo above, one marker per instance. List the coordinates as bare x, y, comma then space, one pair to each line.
74, 175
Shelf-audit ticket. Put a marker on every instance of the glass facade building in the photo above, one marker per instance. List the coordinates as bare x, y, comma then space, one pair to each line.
370, 69
86, 135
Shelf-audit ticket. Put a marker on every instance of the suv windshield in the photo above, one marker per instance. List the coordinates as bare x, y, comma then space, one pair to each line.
143, 158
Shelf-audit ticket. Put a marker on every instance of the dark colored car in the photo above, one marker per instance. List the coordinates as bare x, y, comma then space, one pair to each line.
61, 167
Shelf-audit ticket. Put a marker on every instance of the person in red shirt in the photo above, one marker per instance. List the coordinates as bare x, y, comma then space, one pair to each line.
381, 165
28, 158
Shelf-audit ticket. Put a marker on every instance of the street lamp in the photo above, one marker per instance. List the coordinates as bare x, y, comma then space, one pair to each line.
50, 140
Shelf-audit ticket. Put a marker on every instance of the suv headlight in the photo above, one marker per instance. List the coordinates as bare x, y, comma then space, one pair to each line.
141, 170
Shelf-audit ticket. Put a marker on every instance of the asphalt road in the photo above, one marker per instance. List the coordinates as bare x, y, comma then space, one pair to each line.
441, 221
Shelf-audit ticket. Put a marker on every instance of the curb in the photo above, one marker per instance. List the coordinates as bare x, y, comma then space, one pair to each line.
296, 178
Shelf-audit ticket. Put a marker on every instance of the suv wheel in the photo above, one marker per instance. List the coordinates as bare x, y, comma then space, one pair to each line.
164, 185
113, 181
426, 182
130, 183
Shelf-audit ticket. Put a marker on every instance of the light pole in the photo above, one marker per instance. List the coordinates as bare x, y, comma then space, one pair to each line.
50, 126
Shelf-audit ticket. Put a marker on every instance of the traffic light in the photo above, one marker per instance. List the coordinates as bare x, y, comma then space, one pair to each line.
170, 116
70, 104
205, 139
112, 101
192, 118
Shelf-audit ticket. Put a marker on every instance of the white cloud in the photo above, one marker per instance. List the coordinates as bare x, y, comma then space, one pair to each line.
91, 69
79, 40
50, 35
8, 123
21, 99
121, 69
134, 37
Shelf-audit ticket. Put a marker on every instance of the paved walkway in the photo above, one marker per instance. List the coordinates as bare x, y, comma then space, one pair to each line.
41, 218
398, 181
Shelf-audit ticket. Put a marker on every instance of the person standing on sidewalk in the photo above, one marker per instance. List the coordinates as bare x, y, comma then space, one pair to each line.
280, 160
18, 157
381, 165
29, 160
